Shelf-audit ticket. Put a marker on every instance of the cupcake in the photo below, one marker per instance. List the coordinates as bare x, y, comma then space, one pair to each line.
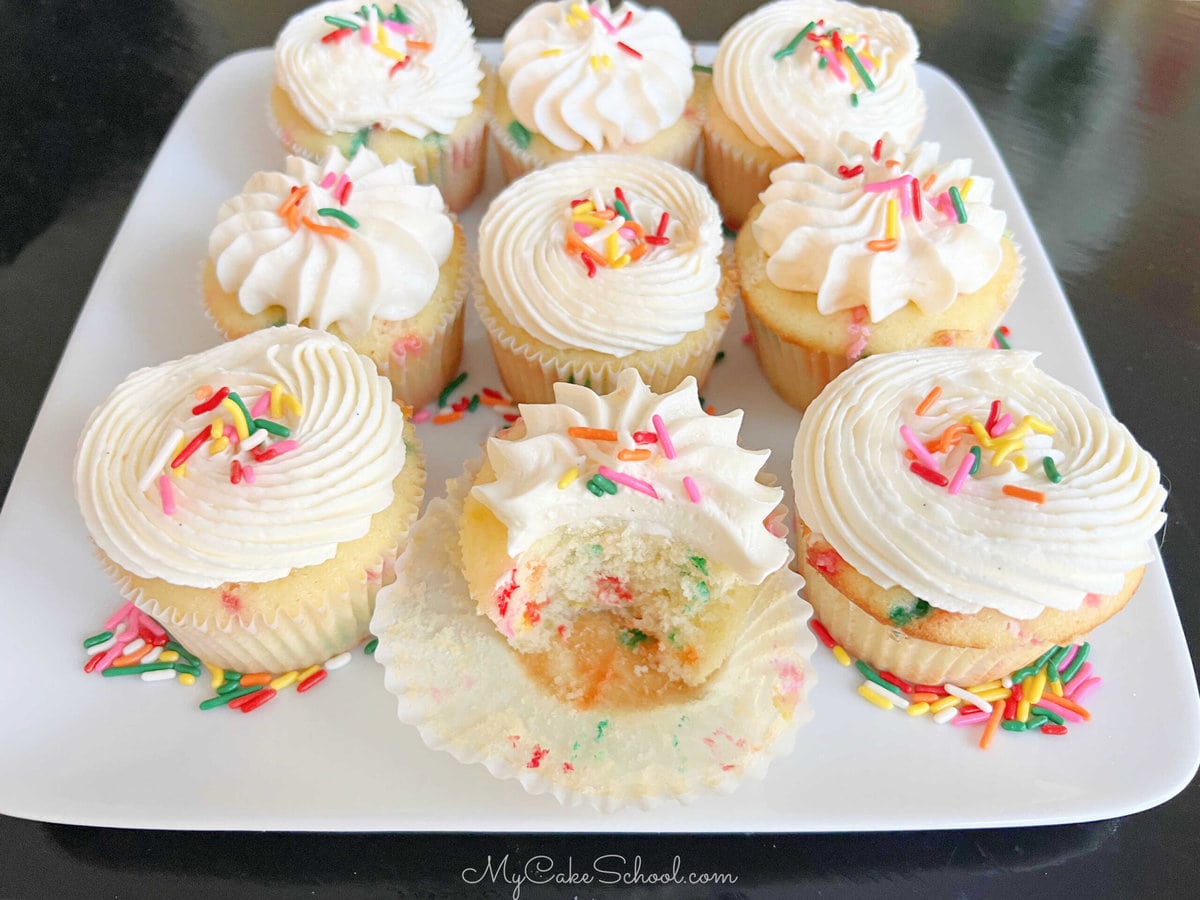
407, 83
791, 78
599, 264
887, 250
251, 498
587, 78
961, 513
603, 607
353, 247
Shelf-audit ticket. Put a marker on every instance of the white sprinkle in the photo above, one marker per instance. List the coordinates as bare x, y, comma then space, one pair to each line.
103, 647
611, 228
134, 646
974, 699
161, 458
342, 659
946, 715
150, 657
158, 675
886, 694
254, 440
1006, 681
597, 200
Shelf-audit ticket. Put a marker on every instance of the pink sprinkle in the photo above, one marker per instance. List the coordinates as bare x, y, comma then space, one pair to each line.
341, 183
282, 447
116, 617
113, 652
367, 33
150, 625
261, 405
582, 229
690, 486
626, 233
1084, 673
1086, 688
892, 184
834, 66
600, 17
1068, 714
166, 494
747, 338
1002, 425
994, 344
918, 448
970, 718
422, 415
248, 474
329, 179
664, 439
1066, 661
398, 27
629, 481
854, 350
960, 474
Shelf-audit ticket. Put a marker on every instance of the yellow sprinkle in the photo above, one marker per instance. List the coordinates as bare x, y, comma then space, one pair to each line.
594, 221
945, 703
893, 220
981, 435
867, 694
987, 686
840, 654
966, 188
1039, 426
186, 678
218, 428
612, 247
180, 471
380, 34
553, 51
607, 61
293, 405
583, 208
579, 11
168, 656
571, 474
1003, 448
218, 675
918, 709
1020, 462
285, 680
1056, 688
997, 693
1039, 686
218, 445
1023, 710
276, 394
595, 63
310, 670
239, 421
621, 261
388, 51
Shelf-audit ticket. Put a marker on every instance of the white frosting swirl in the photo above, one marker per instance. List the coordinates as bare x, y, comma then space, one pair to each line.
344, 85
980, 548
593, 80
651, 303
301, 504
727, 523
792, 104
385, 268
818, 227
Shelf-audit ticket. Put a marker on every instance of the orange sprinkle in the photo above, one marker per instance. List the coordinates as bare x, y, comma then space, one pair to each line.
574, 241
993, 723
447, 418
494, 401
636, 228
1022, 494
203, 392
633, 455
926, 697
928, 182
951, 436
710, 410
592, 434
418, 45
882, 246
892, 163
294, 197
930, 399
331, 230
293, 218
638, 252
255, 679
130, 658
1067, 703
605, 214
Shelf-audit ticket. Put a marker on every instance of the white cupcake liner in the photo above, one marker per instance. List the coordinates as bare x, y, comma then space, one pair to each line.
734, 178
458, 682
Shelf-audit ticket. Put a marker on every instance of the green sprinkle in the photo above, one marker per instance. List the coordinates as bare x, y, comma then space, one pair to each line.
707, 70
519, 133
226, 687
854, 99
822, 63
185, 668
1055, 661
1001, 340
359, 140
597, 549
97, 639
369, 649
702, 403
338, 214
858, 66
1013, 725
183, 651
871, 675
702, 591
700, 563
1080, 657
903, 615
341, 23
921, 609
222, 699
728, 232
245, 412
673, 639
444, 396
622, 210
1031, 669
1051, 470
113, 671
1036, 722
720, 356
601, 725
959, 209
1048, 714
631, 637
398, 14
474, 404
794, 42
604, 484
595, 489
978, 454
273, 427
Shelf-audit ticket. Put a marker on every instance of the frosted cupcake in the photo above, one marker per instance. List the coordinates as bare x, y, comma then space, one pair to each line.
355, 248
885, 251
790, 78
589, 78
607, 598
407, 82
252, 497
599, 264
962, 513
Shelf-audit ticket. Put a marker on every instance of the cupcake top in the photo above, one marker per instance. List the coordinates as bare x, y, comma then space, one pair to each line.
343, 243
1061, 504
655, 461
880, 228
590, 76
411, 68
610, 253
240, 463
796, 74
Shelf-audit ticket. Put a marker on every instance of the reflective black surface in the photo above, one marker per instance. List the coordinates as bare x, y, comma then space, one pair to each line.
1096, 109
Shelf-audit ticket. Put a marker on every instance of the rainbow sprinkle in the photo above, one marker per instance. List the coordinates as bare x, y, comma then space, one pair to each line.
844, 55
607, 235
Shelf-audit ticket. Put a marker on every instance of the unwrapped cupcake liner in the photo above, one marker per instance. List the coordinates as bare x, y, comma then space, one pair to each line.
530, 370
459, 683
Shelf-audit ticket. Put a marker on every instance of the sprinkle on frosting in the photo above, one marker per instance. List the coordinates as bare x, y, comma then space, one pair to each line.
609, 236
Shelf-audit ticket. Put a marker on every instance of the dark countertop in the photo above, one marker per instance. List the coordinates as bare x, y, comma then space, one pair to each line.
1095, 107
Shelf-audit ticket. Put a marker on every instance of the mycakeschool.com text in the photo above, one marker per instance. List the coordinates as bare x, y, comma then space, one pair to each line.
611, 869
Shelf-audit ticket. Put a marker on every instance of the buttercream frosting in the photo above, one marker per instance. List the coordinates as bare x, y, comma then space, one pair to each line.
855, 236
320, 486
725, 519
778, 92
536, 274
980, 548
417, 72
587, 75
362, 241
